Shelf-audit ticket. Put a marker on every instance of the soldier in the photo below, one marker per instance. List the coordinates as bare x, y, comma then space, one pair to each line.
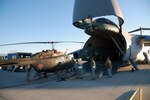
28, 68
108, 65
93, 65
78, 69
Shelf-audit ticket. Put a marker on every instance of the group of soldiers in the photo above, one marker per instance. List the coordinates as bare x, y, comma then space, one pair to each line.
78, 68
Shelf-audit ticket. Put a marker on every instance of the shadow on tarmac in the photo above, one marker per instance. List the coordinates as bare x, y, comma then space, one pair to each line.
122, 78
125, 96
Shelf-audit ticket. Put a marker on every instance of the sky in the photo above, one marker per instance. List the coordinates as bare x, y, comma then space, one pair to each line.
51, 20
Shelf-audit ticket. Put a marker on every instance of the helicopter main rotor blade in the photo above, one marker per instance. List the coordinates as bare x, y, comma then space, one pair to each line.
134, 30
145, 28
139, 29
24, 43
50, 42
68, 42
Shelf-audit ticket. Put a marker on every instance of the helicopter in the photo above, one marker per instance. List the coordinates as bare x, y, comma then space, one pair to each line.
43, 62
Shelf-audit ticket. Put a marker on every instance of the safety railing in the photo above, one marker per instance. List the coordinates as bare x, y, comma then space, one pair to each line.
137, 95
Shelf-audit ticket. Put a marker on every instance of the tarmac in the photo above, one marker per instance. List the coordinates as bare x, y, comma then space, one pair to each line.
120, 87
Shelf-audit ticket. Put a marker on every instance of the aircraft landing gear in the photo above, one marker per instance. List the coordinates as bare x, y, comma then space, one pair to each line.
39, 75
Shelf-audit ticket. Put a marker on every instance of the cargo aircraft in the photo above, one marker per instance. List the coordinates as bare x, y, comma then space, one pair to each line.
108, 38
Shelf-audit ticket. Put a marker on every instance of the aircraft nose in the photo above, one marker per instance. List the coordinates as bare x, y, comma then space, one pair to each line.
85, 9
